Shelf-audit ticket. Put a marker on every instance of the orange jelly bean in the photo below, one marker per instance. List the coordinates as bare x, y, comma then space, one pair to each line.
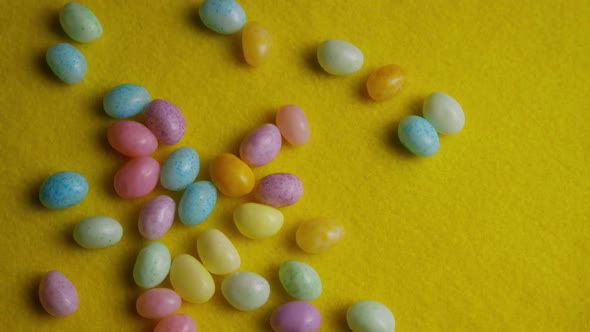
256, 44
386, 82
231, 175
317, 236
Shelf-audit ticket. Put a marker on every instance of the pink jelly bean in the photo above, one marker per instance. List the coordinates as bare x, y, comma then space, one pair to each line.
156, 217
157, 303
57, 294
137, 178
261, 146
132, 138
166, 121
176, 323
296, 316
279, 189
293, 124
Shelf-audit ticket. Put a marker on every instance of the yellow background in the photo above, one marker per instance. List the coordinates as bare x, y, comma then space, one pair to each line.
490, 234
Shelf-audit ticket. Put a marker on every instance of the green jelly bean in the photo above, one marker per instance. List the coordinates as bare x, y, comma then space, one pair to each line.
152, 265
79, 23
98, 232
300, 280
370, 316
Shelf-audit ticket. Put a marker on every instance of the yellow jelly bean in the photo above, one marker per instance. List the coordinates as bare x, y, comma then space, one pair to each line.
256, 44
386, 82
217, 252
257, 221
231, 175
316, 236
191, 280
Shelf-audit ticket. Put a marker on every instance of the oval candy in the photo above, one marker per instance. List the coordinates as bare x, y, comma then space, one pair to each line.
66, 62
257, 221
444, 113
279, 189
339, 57
157, 303
98, 232
156, 217
418, 136
256, 44
57, 294
166, 121
261, 146
245, 291
300, 280
218, 254
222, 16
176, 323
197, 203
386, 82
126, 100
79, 22
152, 265
297, 316
132, 139
63, 189
370, 316
316, 236
191, 280
231, 175
180, 169
137, 178
293, 125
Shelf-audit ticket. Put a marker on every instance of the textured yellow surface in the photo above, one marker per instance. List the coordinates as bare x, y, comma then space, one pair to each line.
490, 234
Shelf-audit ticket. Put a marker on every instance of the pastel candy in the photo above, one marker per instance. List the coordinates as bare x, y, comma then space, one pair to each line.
296, 316
217, 252
300, 280
79, 22
166, 121
63, 189
66, 62
191, 280
279, 189
137, 178
57, 294
370, 316
257, 221
444, 113
339, 57
222, 16
232, 176
318, 235
176, 323
293, 125
197, 203
152, 265
261, 146
157, 303
126, 100
156, 217
131, 139
245, 291
180, 169
386, 82
256, 44
418, 136
98, 232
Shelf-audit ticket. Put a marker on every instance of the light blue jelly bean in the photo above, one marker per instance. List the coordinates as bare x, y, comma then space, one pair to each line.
197, 202
126, 100
66, 62
180, 169
62, 190
222, 16
418, 135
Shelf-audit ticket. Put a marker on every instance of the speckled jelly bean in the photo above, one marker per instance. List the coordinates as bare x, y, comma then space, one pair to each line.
370, 316
245, 291
444, 113
222, 16
293, 125
197, 203
152, 265
180, 169
63, 189
318, 235
98, 232
256, 44
257, 221
157, 303
231, 175
176, 323
131, 139
296, 316
261, 146
217, 252
300, 280
279, 189
57, 294
191, 280
137, 178
156, 217
339, 57
79, 22
166, 121
418, 136
386, 82
126, 100
66, 62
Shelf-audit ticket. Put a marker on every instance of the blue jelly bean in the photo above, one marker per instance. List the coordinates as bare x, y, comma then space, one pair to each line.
180, 169
66, 62
197, 203
63, 189
222, 16
126, 100
418, 135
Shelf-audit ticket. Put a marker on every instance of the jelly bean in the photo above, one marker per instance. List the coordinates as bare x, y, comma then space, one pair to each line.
300, 280
126, 100
137, 178
386, 82
316, 236
132, 138
279, 189
62, 190
152, 265
339, 57
256, 44
418, 135
231, 175
191, 280
217, 253
293, 124
57, 294
444, 113
98, 232
370, 316
156, 217
180, 169
197, 203
79, 22
66, 62
245, 291
166, 121
176, 323
157, 303
296, 316
257, 221
222, 16
261, 146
